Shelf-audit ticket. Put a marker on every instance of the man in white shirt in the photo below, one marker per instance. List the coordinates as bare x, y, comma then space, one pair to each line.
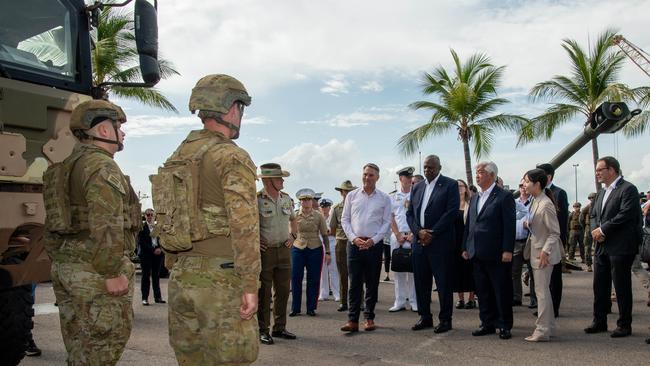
365, 220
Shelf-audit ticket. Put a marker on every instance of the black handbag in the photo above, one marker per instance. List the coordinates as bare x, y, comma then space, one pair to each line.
645, 246
401, 260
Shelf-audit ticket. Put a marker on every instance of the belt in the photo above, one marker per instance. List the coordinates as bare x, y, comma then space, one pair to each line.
227, 265
521, 240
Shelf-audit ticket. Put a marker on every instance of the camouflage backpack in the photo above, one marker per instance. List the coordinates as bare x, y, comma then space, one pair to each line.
176, 196
56, 194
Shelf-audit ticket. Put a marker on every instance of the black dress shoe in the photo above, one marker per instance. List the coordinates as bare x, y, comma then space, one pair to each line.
471, 304
145, 302
265, 338
481, 331
442, 327
423, 324
160, 301
596, 328
460, 304
283, 334
342, 308
621, 332
294, 313
647, 341
311, 313
505, 334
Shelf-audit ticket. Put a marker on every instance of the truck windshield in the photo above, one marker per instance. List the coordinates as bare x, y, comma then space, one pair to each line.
38, 37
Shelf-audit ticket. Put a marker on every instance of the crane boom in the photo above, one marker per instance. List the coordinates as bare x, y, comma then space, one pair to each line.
634, 53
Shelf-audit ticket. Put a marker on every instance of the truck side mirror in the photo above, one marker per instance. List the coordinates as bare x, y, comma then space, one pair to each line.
146, 39
610, 117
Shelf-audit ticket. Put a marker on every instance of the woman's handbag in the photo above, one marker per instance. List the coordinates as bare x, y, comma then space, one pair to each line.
401, 260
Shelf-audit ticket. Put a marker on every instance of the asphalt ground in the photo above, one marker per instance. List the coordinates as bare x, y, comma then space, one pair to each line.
320, 342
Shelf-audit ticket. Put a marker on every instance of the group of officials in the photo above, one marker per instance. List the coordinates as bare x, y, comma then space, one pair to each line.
243, 261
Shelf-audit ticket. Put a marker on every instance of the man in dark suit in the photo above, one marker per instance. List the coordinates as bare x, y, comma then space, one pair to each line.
562, 202
151, 258
488, 242
615, 221
430, 215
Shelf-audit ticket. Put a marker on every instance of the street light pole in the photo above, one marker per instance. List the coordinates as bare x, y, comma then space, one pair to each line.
575, 170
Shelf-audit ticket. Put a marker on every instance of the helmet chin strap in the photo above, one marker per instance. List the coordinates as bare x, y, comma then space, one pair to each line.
231, 126
120, 146
274, 186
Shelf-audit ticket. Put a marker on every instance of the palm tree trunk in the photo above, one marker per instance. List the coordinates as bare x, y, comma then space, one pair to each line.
468, 160
594, 150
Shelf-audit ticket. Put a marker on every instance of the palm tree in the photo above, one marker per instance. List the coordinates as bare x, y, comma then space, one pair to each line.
592, 81
115, 59
466, 101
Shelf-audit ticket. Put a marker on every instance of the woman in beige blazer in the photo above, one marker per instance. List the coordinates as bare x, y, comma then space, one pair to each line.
543, 248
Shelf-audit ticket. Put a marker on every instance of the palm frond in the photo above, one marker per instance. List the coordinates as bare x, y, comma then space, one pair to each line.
147, 96
638, 125
409, 143
482, 140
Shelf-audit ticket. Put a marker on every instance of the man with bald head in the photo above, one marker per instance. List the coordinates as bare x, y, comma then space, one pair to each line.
431, 215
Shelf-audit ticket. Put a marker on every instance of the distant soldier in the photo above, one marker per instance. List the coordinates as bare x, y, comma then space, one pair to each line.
584, 220
92, 218
576, 233
213, 285
341, 242
276, 215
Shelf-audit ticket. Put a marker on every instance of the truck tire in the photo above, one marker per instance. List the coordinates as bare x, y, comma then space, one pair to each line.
16, 323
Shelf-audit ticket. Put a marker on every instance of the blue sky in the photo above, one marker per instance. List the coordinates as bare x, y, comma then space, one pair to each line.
331, 82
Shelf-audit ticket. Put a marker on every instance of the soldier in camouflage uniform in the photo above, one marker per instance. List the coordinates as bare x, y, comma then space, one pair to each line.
92, 218
213, 286
584, 221
341, 242
576, 233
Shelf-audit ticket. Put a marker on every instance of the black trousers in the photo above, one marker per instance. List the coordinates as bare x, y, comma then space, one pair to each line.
608, 268
364, 266
493, 281
426, 266
556, 288
151, 265
387, 253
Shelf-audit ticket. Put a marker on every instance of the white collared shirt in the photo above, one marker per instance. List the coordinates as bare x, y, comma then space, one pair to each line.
428, 191
154, 240
483, 196
608, 191
366, 215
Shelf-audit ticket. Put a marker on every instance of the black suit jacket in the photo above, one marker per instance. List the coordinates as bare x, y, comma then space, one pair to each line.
145, 243
562, 202
490, 232
620, 220
440, 212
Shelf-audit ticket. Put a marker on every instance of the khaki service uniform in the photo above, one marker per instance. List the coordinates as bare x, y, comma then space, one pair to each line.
340, 249
274, 217
207, 282
105, 217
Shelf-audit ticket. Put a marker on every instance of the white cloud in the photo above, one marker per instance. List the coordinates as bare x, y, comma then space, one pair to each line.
372, 86
335, 86
261, 140
641, 176
149, 125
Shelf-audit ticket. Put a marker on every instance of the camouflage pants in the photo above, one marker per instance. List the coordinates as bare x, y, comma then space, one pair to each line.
575, 237
204, 323
95, 325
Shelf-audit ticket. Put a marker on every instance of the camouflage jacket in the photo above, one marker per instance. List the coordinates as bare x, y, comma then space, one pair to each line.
584, 217
574, 221
229, 202
105, 214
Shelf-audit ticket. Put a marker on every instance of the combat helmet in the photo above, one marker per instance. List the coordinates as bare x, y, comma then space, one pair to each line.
89, 113
213, 96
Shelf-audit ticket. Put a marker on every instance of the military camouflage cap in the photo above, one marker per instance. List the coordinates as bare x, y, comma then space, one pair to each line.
305, 193
346, 186
591, 195
272, 170
217, 93
89, 113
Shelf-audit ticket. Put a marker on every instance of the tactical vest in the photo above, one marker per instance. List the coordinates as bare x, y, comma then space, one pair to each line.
67, 209
177, 193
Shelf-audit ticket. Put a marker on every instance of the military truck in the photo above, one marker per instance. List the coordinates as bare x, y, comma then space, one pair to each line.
45, 71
